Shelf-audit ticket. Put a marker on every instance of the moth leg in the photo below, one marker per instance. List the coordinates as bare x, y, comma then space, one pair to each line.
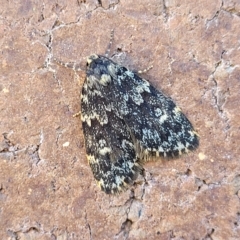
77, 114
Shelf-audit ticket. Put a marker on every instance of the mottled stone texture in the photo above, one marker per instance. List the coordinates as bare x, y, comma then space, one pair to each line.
47, 190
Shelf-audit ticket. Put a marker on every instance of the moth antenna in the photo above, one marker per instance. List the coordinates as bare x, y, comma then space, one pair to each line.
110, 43
145, 70
72, 65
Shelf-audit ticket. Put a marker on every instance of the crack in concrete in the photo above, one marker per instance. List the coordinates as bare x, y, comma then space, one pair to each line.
49, 48
35, 149
237, 222
9, 150
13, 234
31, 229
79, 2
88, 225
17, 234
59, 134
216, 14
110, 5
209, 234
231, 9
201, 183
33, 152
165, 11
126, 225
220, 96
125, 230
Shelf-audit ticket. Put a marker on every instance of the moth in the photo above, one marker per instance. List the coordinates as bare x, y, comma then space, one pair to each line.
126, 121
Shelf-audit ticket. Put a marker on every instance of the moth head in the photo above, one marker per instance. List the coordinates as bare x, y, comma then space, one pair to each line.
91, 58
97, 69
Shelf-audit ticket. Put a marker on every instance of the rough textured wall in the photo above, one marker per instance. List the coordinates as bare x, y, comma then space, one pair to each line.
47, 190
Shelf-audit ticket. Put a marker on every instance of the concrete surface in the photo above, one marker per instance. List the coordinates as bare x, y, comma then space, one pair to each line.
47, 190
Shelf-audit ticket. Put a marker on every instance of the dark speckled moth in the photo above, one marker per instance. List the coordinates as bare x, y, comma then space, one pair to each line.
125, 122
